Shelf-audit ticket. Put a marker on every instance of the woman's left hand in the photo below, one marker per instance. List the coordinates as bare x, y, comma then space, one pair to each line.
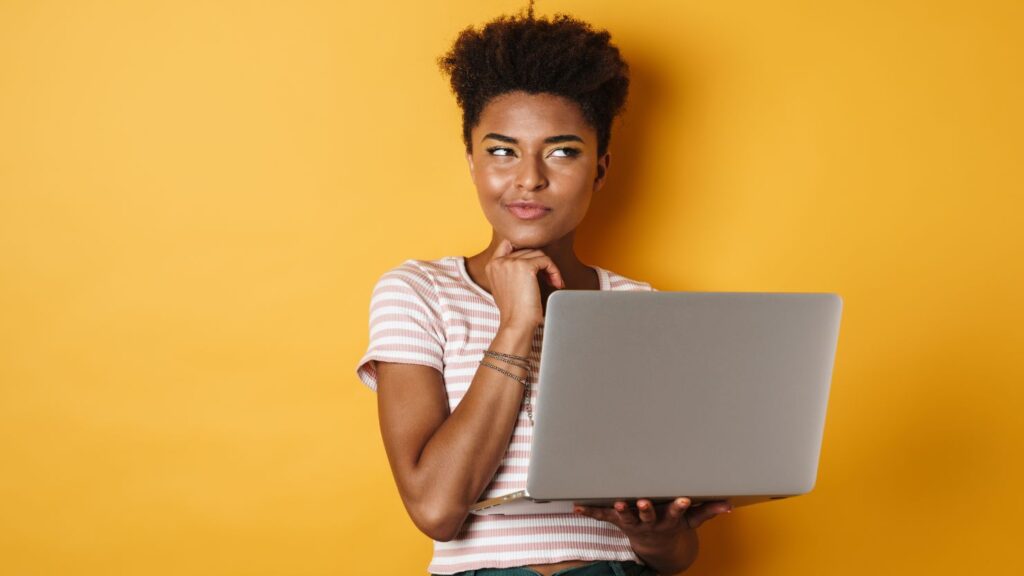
656, 527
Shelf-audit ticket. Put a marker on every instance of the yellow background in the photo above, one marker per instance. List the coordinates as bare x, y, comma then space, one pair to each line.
197, 197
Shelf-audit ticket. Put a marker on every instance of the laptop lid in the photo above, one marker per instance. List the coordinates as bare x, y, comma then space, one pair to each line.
666, 394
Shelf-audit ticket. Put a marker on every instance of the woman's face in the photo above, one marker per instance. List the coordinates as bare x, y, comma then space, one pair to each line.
535, 166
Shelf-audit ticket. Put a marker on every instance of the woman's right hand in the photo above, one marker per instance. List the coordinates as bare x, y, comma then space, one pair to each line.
513, 278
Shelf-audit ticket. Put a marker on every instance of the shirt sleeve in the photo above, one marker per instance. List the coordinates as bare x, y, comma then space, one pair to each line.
405, 323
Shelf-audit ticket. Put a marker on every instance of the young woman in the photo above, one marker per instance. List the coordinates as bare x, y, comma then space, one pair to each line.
454, 342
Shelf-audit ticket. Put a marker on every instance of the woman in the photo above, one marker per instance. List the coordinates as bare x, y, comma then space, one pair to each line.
455, 341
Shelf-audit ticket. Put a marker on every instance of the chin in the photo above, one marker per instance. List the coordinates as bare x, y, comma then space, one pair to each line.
528, 241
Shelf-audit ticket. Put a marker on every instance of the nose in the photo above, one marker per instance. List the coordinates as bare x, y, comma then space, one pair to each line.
531, 175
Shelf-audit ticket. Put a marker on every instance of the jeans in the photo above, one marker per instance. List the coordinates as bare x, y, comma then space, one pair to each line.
602, 568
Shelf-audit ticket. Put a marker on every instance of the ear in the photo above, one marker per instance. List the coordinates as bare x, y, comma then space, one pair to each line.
602, 170
469, 160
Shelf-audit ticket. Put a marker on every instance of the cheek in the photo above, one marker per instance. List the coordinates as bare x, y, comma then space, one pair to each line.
575, 176
580, 207
576, 181
490, 189
491, 180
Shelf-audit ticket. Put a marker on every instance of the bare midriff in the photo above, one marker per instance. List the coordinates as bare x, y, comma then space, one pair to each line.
549, 569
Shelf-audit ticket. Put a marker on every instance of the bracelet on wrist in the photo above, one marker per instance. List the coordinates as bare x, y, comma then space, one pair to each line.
524, 380
520, 361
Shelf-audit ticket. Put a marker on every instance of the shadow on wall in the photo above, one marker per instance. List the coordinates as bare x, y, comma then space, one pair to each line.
607, 236
607, 223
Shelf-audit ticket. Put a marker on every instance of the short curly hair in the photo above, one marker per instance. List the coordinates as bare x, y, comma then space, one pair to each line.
562, 56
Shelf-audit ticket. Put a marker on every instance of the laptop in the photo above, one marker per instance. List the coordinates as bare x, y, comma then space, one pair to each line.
708, 395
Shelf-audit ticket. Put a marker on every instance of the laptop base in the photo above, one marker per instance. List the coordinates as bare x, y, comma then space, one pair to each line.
520, 503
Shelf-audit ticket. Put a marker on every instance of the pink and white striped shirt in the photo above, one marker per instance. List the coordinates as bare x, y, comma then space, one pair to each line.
430, 312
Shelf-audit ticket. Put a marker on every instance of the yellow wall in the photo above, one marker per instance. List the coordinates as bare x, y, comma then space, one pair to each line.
197, 197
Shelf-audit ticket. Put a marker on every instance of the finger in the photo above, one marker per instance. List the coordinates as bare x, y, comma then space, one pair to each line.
625, 514
504, 248
647, 513
676, 511
546, 265
526, 253
707, 511
595, 512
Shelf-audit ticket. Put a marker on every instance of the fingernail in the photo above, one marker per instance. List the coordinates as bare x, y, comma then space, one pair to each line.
577, 510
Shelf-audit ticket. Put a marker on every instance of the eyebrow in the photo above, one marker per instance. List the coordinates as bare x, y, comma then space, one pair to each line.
548, 140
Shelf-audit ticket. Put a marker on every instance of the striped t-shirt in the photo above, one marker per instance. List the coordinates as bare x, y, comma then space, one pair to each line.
430, 312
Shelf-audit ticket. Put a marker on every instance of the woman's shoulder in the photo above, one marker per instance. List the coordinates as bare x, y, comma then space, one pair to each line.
425, 276
618, 281
423, 270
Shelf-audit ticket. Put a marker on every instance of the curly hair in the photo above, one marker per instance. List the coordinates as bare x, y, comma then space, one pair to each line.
562, 56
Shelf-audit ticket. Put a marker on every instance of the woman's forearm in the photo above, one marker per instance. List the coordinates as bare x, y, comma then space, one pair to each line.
462, 456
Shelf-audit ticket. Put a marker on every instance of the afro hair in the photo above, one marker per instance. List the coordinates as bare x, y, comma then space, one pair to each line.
561, 56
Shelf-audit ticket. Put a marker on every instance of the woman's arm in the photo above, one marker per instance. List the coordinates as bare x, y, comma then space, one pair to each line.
442, 463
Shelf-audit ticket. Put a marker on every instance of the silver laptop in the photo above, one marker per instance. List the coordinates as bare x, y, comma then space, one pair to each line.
709, 395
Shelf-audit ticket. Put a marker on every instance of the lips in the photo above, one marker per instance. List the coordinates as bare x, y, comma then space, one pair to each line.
526, 211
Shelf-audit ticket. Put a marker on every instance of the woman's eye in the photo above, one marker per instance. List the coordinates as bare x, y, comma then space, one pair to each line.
500, 151
565, 152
